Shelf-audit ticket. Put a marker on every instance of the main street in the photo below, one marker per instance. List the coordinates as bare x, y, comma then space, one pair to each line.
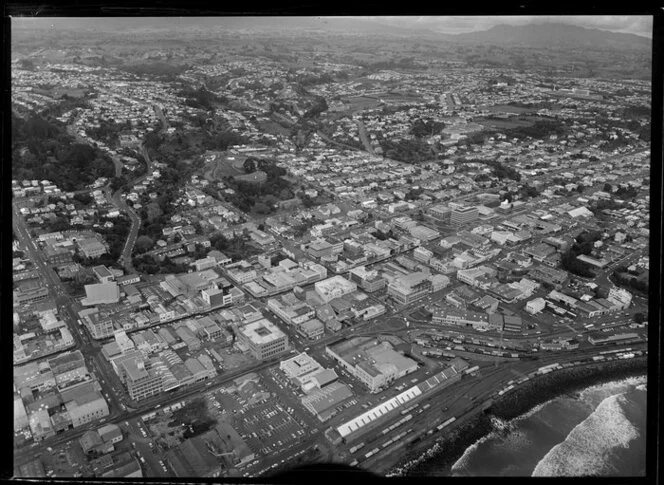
53, 283
24, 455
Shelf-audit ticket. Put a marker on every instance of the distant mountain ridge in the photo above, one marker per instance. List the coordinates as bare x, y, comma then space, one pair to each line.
553, 35
542, 35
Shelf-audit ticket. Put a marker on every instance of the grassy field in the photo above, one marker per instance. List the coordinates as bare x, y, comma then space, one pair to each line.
504, 108
503, 124
257, 177
273, 128
362, 102
227, 167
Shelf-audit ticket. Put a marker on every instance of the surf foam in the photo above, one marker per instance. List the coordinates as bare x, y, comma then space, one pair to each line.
587, 448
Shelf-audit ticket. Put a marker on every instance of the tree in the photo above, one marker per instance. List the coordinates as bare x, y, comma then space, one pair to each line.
285, 194
144, 243
249, 165
84, 198
117, 182
607, 188
639, 317
261, 208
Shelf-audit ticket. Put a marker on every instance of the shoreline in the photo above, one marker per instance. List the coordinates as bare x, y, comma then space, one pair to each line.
443, 453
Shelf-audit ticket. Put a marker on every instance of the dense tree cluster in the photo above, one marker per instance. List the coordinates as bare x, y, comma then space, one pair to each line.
319, 105
477, 137
534, 105
635, 282
540, 129
236, 248
202, 98
602, 204
194, 417
384, 236
66, 104
408, 151
499, 170
260, 197
108, 131
145, 263
43, 150
164, 69
426, 127
626, 193
582, 245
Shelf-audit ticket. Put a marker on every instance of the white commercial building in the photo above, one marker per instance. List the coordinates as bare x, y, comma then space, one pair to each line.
535, 306
334, 287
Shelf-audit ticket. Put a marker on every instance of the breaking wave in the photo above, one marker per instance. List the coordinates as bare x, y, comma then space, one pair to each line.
587, 449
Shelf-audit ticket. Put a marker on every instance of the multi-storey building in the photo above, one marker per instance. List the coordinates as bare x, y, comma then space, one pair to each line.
407, 289
141, 382
56, 255
422, 255
100, 326
334, 287
263, 338
221, 296
369, 281
84, 404
291, 312
440, 212
312, 329
463, 214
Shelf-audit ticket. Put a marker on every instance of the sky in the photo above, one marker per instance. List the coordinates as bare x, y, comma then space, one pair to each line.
628, 24
625, 24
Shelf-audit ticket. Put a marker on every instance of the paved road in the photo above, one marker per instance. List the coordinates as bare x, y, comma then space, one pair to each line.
51, 279
117, 200
24, 455
363, 136
121, 205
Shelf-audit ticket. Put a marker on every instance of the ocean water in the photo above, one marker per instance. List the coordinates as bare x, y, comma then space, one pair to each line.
599, 431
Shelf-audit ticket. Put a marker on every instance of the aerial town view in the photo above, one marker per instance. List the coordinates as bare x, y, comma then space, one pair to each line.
407, 246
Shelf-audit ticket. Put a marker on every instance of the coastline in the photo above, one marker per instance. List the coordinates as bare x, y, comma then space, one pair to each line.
418, 461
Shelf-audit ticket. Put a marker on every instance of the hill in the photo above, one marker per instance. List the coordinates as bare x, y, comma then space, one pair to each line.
554, 35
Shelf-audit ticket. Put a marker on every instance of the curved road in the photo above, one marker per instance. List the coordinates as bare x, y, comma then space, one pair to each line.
117, 200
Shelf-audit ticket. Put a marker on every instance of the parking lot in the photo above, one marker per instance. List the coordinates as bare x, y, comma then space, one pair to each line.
262, 418
268, 428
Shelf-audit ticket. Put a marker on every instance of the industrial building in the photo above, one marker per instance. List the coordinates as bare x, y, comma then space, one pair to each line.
101, 293
374, 363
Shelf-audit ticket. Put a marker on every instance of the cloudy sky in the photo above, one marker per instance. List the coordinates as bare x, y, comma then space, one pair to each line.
627, 24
